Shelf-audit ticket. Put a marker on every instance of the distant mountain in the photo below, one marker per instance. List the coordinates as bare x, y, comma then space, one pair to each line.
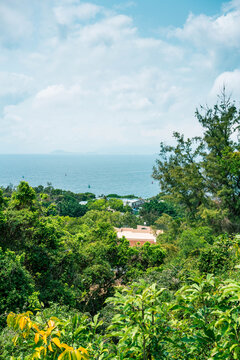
61, 152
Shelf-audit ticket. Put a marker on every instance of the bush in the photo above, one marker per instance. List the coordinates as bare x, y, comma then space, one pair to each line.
16, 284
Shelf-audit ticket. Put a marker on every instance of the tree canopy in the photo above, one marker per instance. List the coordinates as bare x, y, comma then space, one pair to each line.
203, 173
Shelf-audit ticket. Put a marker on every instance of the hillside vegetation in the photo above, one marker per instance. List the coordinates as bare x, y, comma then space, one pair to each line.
71, 290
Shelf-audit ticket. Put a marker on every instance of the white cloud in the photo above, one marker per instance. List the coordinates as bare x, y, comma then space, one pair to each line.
231, 5
70, 14
231, 81
204, 31
51, 92
15, 84
125, 5
91, 82
14, 25
108, 30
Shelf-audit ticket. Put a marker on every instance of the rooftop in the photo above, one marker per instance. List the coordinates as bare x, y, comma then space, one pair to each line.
140, 235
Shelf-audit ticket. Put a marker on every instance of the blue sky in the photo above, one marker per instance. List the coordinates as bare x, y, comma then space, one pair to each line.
153, 14
109, 76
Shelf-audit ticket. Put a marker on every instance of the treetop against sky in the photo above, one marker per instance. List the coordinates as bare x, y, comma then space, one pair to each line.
111, 76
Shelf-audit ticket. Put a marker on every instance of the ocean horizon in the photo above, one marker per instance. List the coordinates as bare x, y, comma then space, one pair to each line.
99, 174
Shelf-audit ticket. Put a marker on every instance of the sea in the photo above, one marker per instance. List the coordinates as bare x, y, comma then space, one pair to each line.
99, 174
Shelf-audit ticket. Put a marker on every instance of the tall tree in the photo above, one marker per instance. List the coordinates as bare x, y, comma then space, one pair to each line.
203, 173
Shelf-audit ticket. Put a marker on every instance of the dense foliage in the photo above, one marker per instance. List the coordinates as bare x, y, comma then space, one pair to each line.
200, 322
75, 262
156, 207
203, 173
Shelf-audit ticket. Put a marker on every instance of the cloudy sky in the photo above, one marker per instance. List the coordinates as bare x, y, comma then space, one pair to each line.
111, 76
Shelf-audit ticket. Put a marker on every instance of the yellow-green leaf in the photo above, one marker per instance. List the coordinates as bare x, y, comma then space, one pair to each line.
56, 341
36, 338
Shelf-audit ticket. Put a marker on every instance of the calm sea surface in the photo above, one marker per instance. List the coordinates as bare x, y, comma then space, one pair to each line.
105, 174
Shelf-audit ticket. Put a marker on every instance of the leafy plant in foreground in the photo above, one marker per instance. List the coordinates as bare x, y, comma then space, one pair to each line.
44, 339
140, 324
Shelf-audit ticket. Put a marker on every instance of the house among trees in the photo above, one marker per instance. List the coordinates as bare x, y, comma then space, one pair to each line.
139, 236
133, 203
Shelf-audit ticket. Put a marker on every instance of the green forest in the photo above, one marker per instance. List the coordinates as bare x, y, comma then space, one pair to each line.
70, 289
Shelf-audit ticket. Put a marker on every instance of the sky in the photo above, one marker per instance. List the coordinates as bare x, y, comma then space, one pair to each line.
112, 77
